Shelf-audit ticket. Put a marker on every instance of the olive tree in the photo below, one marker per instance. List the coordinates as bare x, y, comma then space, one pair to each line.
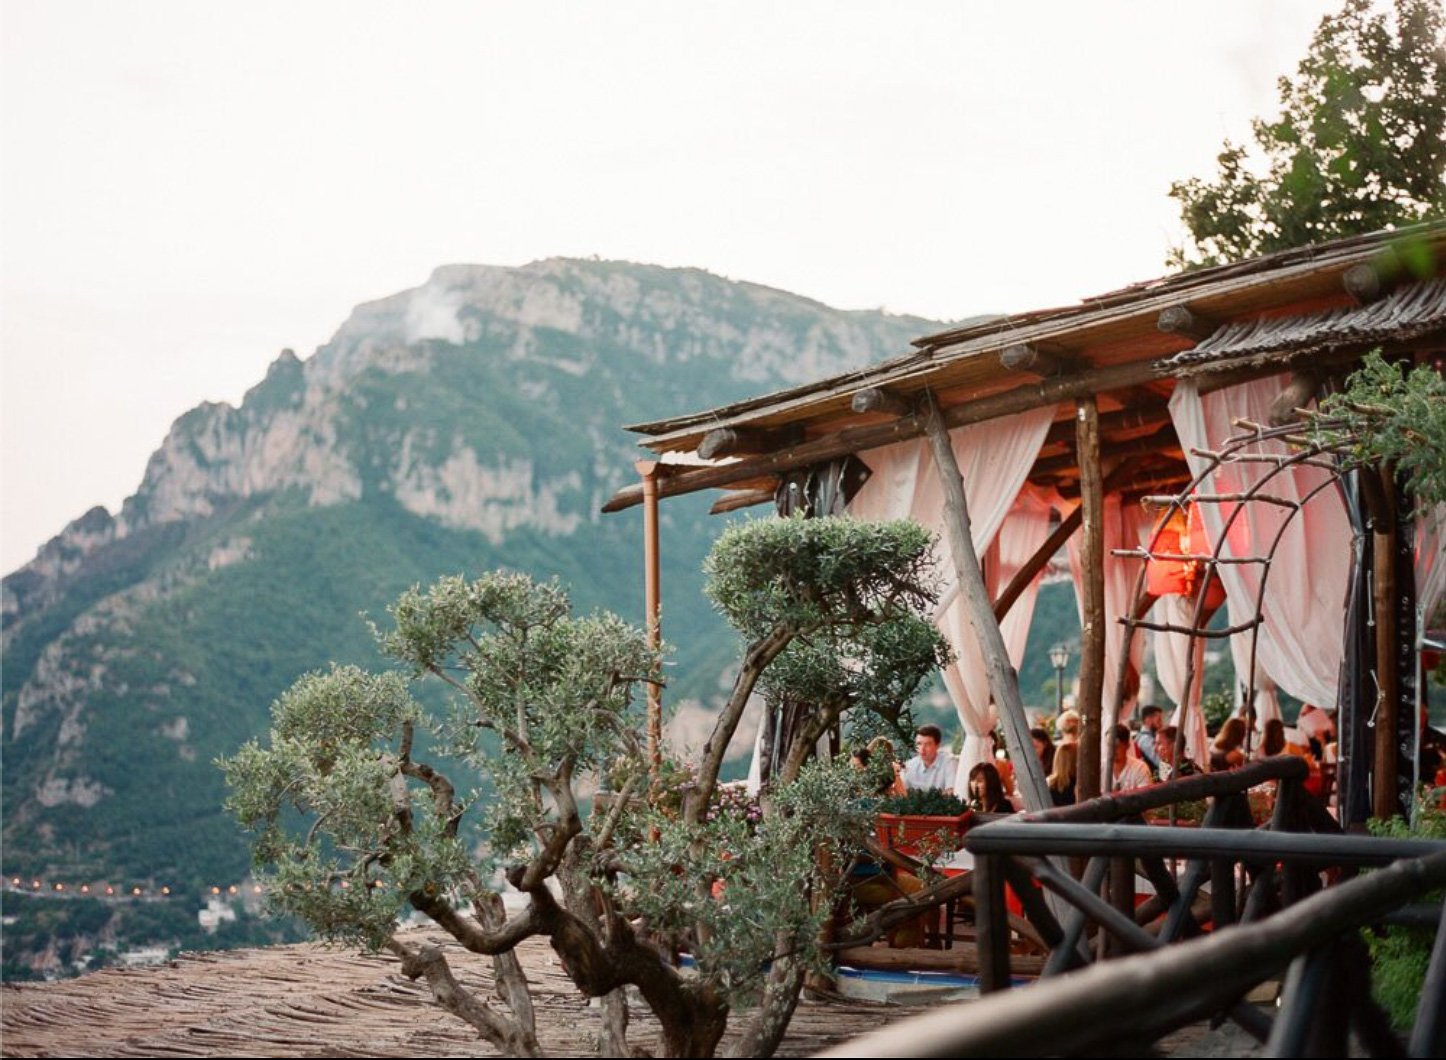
354, 825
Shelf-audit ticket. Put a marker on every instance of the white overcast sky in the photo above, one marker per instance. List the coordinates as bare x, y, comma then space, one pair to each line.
187, 187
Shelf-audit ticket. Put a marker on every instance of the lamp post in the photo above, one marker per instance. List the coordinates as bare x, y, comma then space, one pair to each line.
1059, 658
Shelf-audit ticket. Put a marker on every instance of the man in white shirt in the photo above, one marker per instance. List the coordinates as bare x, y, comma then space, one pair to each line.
1129, 771
931, 767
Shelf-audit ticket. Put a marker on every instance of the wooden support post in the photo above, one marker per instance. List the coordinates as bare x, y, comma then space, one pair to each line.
1222, 892
1067, 954
991, 919
1428, 1037
1026, 574
652, 608
1003, 680
1122, 897
1092, 595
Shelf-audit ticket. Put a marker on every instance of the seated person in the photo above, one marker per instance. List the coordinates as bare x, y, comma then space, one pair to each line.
1165, 745
1068, 727
1062, 777
931, 767
1227, 751
1147, 739
986, 790
1129, 771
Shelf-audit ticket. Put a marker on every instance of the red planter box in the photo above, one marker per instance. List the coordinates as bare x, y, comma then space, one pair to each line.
910, 834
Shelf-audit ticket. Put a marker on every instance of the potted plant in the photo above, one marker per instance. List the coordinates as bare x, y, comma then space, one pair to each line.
924, 823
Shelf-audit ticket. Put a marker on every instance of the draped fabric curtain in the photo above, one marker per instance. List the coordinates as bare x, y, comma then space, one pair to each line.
1172, 655
1123, 527
994, 459
1300, 641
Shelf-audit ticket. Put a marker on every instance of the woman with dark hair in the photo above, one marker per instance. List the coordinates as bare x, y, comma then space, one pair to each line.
1273, 742
986, 790
1044, 747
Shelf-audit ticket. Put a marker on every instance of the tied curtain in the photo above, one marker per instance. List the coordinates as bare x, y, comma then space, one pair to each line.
1299, 644
994, 460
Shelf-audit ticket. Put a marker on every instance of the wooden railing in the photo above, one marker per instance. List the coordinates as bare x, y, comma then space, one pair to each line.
1131, 1001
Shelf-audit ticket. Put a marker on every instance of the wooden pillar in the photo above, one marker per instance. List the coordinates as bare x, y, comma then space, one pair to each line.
991, 923
1092, 597
652, 607
1003, 681
1384, 804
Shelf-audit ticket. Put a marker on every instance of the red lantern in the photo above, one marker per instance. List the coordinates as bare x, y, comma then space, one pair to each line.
1169, 572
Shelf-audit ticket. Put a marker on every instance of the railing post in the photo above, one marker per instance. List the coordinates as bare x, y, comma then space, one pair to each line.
991, 923
1428, 1037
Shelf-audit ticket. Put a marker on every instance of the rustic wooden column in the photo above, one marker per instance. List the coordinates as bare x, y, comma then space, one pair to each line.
652, 607
1092, 597
1383, 605
1003, 681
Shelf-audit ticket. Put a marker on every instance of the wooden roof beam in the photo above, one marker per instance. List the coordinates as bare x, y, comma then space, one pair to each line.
871, 436
1150, 413
1182, 320
735, 500
1162, 440
1037, 358
877, 399
745, 441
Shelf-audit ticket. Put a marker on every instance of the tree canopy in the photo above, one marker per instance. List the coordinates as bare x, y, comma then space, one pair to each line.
358, 815
1359, 144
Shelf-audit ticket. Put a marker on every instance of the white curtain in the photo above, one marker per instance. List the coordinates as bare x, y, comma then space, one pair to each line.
994, 460
1172, 654
1123, 526
1301, 639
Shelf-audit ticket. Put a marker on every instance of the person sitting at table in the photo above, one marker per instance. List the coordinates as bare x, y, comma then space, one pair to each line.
1147, 740
986, 790
1129, 771
1062, 777
1043, 747
878, 758
1165, 745
1272, 743
1068, 727
1226, 752
931, 767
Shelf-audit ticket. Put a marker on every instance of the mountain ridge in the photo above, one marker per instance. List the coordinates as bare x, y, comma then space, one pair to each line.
469, 422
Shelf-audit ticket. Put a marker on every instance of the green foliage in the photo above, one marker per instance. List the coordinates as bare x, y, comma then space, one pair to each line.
1400, 955
1217, 706
1389, 417
855, 591
1359, 144
927, 802
736, 886
557, 690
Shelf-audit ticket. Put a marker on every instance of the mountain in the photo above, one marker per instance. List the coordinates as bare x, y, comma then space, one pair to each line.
468, 423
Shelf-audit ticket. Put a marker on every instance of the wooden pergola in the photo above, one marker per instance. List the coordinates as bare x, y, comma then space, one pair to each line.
1107, 365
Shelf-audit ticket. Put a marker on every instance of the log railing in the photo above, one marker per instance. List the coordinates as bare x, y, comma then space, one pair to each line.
1115, 1004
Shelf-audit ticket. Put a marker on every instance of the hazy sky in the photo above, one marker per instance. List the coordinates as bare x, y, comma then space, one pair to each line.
186, 188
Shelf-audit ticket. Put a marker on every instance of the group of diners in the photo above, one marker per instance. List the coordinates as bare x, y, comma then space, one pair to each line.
1142, 753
